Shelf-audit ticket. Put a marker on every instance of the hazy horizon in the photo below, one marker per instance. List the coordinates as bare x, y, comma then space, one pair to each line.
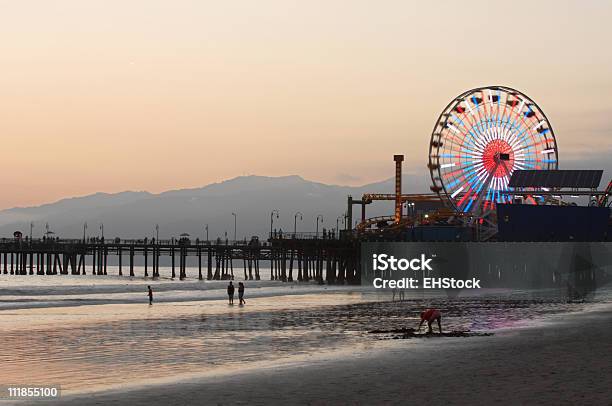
159, 95
208, 185
133, 214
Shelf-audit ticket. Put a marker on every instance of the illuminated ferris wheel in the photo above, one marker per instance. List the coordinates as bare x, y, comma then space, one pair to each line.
481, 137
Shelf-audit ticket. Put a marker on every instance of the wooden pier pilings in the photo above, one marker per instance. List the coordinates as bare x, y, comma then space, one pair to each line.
321, 260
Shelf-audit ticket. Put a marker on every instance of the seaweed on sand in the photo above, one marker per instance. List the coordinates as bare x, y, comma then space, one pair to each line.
408, 332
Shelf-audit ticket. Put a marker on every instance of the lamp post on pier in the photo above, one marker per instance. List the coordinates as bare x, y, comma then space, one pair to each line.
318, 217
295, 222
338, 223
84, 231
275, 211
235, 227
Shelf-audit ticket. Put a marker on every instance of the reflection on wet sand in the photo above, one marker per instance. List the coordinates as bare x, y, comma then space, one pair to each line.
100, 346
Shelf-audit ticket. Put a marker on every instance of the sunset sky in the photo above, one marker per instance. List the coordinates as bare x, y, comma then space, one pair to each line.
157, 95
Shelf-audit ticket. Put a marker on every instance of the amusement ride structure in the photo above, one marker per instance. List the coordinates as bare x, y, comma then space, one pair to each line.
481, 139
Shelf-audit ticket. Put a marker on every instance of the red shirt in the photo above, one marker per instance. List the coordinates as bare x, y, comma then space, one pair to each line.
430, 314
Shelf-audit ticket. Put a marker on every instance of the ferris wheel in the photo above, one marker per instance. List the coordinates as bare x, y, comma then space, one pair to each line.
480, 139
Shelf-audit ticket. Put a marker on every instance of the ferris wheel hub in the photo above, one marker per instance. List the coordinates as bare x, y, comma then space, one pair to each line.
492, 158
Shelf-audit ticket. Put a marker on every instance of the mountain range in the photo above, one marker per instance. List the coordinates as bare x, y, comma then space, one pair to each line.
135, 214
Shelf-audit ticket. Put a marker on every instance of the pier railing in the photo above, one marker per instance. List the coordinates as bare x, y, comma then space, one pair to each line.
128, 241
303, 236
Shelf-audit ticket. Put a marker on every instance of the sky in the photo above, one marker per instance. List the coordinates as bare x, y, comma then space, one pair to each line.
157, 95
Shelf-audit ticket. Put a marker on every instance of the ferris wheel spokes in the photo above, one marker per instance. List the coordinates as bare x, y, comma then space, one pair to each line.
480, 138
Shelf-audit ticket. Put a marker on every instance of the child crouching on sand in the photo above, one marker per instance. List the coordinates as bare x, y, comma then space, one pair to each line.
430, 315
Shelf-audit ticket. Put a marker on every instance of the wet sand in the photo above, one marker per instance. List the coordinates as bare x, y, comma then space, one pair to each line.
564, 361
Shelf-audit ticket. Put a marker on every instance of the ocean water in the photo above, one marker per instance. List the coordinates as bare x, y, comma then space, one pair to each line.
26, 291
98, 332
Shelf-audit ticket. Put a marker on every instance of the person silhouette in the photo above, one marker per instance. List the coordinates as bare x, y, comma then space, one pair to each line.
241, 293
150, 295
230, 292
429, 316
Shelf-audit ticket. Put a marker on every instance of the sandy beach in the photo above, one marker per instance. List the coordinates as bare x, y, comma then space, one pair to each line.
564, 361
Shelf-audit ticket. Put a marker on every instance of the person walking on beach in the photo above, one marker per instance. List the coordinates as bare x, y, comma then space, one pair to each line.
230, 292
150, 295
430, 315
241, 293
400, 293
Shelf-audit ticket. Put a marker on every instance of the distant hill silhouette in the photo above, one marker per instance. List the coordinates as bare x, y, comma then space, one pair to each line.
134, 214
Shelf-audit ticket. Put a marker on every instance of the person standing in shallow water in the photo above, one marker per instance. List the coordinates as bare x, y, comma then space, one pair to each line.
230, 292
150, 295
241, 293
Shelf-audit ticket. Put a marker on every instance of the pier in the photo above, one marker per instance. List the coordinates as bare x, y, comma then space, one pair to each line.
290, 258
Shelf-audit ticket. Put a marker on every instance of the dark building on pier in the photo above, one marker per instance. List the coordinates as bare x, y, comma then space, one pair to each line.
521, 222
